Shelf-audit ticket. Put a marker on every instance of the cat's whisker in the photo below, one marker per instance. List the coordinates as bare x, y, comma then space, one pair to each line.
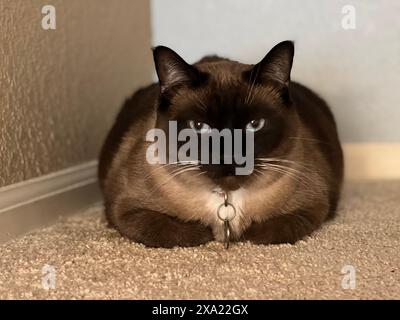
310, 140
248, 96
174, 174
283, 167
298, 165
301, 175
251, 98
248, 88
255, 170
284, 161
258, 173
199, 174
279, 160
181, 169
157, 169
179, 163
303, 170
285, 173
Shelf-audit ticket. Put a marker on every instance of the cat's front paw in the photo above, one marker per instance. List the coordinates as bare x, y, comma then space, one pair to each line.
286, 228
155, 229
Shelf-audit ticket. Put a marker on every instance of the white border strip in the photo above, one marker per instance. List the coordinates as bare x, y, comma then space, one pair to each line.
36, 189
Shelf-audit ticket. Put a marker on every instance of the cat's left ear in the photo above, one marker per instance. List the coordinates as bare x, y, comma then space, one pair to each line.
276, 65
172, 70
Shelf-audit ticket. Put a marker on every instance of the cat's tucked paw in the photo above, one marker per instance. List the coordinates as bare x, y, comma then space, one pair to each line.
281, 229
155, 229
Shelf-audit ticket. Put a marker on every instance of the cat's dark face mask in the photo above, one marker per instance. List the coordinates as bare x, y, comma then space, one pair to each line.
229, 97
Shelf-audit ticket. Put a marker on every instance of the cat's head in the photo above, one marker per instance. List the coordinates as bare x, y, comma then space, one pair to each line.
217, 93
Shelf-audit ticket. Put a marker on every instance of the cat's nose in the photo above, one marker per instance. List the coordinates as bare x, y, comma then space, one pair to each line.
228, 182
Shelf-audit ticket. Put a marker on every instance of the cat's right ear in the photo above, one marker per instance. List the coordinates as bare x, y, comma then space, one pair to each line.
172, 70
275, 66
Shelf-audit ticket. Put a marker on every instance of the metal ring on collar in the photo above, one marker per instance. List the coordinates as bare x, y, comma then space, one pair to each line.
227, 204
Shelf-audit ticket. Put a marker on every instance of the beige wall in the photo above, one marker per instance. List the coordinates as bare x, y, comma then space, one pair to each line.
60, 89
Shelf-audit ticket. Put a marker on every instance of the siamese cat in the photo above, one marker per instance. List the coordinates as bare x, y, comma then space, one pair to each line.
298, 163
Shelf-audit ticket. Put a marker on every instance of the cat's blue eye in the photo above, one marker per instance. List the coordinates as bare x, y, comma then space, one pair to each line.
255, 125
200, 127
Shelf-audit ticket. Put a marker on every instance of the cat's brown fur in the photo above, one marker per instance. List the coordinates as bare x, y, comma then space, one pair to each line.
149, 206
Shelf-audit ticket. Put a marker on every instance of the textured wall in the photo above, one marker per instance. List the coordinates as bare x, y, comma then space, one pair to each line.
357, 71
60, 89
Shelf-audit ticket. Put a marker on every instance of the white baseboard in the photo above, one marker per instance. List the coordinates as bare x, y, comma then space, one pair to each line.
41, 201
370, 161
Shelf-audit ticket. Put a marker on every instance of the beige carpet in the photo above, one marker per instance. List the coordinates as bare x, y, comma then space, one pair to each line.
91, 261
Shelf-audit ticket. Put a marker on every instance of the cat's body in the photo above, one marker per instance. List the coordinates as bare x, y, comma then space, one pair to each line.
275, 204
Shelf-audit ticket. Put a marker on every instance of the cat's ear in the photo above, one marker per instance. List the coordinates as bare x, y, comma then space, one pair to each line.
276, 65
172, 70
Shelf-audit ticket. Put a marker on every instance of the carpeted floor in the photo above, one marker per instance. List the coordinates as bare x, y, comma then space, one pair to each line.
93, 262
